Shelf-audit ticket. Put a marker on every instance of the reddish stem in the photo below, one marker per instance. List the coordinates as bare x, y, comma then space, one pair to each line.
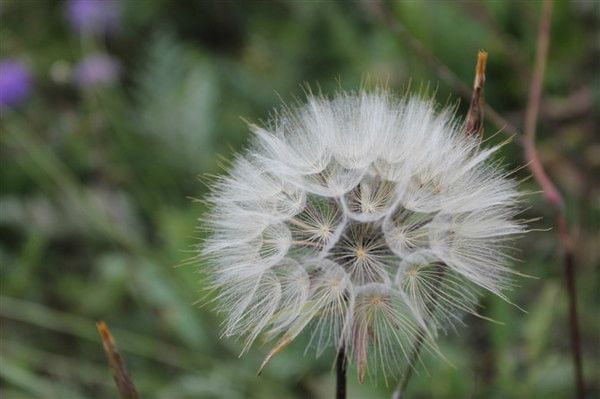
551, 193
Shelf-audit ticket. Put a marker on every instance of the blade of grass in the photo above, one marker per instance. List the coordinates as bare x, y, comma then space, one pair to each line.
15, 374
54, 177
137, 344
55, 365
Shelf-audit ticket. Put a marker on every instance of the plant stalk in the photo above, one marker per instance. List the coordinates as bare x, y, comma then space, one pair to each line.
341, 365
551, 192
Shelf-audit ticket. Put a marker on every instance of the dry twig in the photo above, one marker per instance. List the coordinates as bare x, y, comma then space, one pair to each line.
117, 365
475, 116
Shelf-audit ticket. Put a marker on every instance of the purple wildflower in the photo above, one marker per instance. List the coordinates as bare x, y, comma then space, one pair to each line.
97, 70
15, 82
94, 16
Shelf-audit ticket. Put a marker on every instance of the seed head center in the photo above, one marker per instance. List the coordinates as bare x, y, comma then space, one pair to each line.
376, 300
324, 230
368, 207
361, 253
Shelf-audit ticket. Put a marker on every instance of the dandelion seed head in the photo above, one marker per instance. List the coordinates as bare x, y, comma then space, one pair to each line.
366, 220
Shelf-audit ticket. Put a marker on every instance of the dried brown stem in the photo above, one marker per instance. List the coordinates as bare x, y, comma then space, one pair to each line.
550, 191
124, 383
475, 116
533, 106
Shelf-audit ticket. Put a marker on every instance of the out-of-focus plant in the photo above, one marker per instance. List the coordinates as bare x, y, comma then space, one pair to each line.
97, 70
94, 17
15, 83
176, 97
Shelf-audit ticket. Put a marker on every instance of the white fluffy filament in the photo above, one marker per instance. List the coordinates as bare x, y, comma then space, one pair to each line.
366, 219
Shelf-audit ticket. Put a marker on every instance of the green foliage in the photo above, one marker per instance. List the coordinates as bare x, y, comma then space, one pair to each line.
176, 98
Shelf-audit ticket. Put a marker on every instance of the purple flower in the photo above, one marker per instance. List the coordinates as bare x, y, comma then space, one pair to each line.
97, 70
94, 16
15, 82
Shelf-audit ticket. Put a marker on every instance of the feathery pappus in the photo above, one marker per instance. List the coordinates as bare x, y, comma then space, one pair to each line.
366, 220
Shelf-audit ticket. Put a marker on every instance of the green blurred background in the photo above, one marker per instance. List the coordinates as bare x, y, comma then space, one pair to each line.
100, 168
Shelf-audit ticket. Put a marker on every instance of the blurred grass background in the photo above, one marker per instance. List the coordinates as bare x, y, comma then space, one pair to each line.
101, 157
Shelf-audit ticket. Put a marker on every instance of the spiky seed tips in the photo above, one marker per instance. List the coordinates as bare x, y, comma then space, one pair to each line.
367, 220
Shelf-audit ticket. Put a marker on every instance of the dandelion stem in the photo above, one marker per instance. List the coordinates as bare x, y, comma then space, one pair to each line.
341, 365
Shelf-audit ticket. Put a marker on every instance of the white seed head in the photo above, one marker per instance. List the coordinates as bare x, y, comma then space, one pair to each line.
367, 220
